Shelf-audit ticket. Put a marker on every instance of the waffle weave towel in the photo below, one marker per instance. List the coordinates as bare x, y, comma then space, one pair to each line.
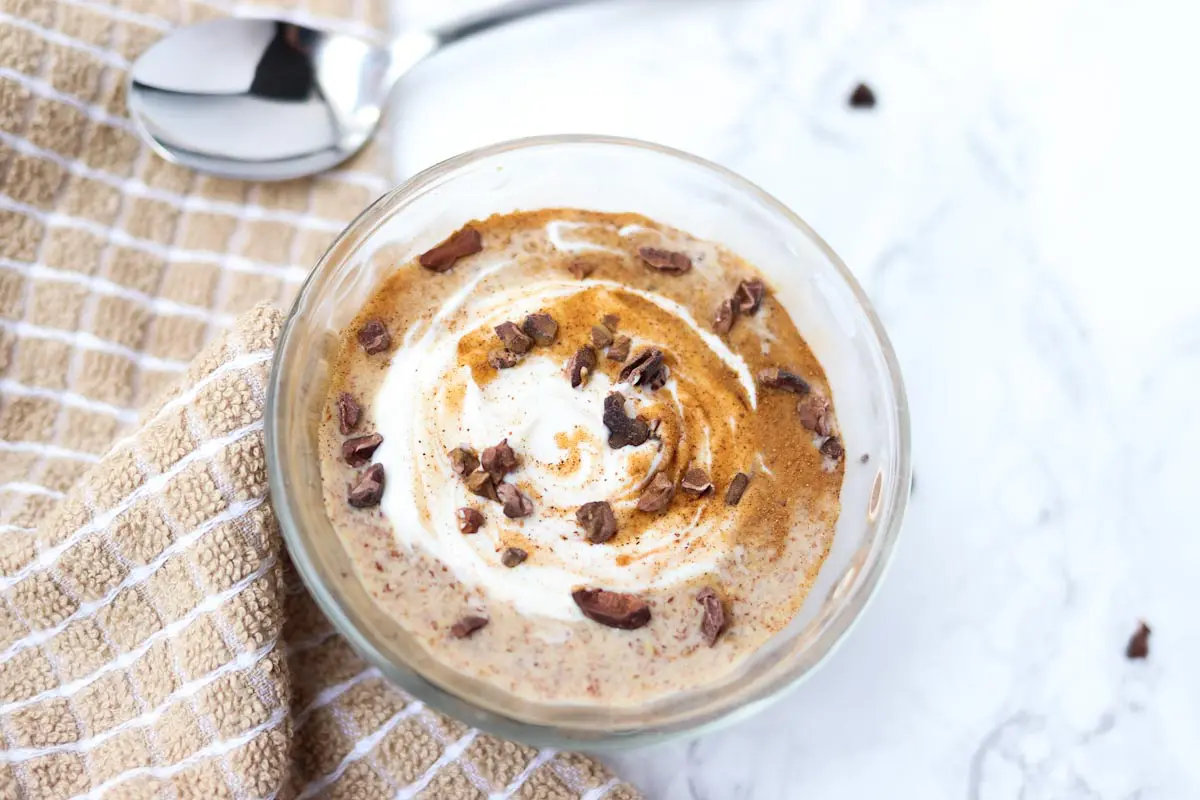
154, 641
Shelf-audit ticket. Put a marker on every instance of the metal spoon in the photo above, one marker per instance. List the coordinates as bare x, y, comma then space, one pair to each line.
266, 100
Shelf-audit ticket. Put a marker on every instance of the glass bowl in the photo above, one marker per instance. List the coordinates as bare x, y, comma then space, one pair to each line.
614, 175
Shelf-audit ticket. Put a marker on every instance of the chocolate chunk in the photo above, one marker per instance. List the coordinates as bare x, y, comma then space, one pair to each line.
610, 321
512, 556
467, 626
374, 337
601, 336
724, 318
349, 413
514, 338
580, 366
814, 414
1139, 643
499, 460
462, 243
665, 260
614, 609
737, 488
358, 451
598, 520
622, 430
862, 97
788, 381
619, 349
516, 504
695, 482
714, 620
369, 489
469, 519
657, 494
463, 461
480, 482
503, 359
832, 447
749, 296
646, 369
581, 268
541, 328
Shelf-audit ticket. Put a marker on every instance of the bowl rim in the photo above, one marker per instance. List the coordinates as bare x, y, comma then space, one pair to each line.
834, 628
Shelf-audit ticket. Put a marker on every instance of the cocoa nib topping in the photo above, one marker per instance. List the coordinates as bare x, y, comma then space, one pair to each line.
349, 413
1139, 643
540, 327
463, 461
657, 495
619, 349
514, 339
516, 504
646, 369
665, 260
737, 488
374, 337
598, 520
368, 490
714, 620
779, 378
610, 321
503, 359
601, 336
614, 609
580, 366
695, 482
469, 519
512, 556
581, 268
462, 243
481, 483
814, 414
832, 447
622, 430
499, 460
749, 296
358, 451
724, 318
467, 626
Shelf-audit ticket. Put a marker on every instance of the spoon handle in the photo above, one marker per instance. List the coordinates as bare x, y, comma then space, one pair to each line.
494, 17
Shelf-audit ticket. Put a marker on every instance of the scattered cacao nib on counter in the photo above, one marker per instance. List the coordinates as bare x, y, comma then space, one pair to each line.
619, 349
349, 413
512, 556
614, 609
480, 482
1139, 643
374, 337
714, 620
814, 414
358, 451
737, 488
695, 482
832, 448
622, 430
785, 379
657, 494
467, 626
665, 260
601, 337
540, 327
515, 340
463, 461
368, 491
748, 297
724, 318
516, 503
646, 369
503, 359
499, 460
597, 520
862, 97
580, 366
464, 242
864, 458
469, 519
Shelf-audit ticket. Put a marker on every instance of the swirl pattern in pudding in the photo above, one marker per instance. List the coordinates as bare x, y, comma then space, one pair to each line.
715, 564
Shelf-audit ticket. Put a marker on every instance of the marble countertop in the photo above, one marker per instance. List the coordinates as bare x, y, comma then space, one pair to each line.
1021, 208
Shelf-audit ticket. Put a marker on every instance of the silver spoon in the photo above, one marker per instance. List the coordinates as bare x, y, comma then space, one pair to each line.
266, 100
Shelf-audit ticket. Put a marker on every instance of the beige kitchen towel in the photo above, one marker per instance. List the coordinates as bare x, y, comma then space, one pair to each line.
154, 641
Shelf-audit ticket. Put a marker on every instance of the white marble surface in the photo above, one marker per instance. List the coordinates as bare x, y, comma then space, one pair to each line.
1022, 209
